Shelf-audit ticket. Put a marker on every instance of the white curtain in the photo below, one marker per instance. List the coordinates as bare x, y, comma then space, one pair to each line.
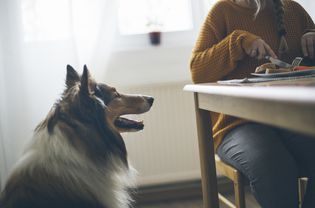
38, 38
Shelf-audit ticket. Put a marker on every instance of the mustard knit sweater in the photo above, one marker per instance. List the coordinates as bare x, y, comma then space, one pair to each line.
227, 32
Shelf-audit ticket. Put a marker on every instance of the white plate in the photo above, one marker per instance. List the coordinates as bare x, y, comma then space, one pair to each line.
287, 74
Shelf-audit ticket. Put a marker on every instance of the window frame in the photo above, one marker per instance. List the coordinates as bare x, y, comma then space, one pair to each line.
168, 39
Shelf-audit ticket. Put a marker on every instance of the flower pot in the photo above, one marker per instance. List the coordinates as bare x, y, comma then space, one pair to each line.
155, 37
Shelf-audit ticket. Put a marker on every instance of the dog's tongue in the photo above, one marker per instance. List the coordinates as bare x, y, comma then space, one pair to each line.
128, 124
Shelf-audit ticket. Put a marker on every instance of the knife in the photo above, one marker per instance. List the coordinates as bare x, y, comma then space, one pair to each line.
278, 62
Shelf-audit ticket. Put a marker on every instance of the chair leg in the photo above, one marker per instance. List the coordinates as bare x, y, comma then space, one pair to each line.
239, 192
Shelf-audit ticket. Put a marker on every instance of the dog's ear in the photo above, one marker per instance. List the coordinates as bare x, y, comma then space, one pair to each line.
72, 76
85, 81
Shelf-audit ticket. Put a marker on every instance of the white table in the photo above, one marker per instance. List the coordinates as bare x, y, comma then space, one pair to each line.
289, 104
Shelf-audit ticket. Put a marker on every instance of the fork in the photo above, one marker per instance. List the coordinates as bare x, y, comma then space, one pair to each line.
297, 61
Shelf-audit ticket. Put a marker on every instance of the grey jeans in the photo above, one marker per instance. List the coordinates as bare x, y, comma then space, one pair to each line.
272, 159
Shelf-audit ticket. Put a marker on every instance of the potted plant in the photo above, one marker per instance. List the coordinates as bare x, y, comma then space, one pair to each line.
154, 31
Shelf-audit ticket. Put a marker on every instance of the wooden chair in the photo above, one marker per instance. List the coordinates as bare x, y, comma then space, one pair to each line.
239, 182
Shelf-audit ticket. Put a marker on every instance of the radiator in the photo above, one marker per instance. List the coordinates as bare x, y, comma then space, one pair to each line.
166, 151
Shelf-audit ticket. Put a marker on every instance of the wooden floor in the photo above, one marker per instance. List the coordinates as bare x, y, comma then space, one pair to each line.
196, 203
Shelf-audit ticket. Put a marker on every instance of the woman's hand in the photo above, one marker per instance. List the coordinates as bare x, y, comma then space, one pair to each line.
259, 49
307, 43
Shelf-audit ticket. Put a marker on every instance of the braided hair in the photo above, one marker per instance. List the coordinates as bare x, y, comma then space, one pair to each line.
281, 30
279, 13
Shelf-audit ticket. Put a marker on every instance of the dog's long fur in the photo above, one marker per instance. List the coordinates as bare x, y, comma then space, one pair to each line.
77, 157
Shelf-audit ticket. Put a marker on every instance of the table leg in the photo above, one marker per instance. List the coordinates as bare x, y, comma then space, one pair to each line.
206, 154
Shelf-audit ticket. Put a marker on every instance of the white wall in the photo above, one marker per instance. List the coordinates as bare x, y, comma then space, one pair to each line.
166, 151
149, 66
2, 117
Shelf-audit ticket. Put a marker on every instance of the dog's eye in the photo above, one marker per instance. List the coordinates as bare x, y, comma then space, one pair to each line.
116, 95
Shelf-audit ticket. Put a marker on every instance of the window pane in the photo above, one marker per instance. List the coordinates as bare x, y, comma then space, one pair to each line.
45, 19
142, 16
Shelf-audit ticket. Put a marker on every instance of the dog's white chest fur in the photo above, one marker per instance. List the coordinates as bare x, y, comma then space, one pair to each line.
106, 182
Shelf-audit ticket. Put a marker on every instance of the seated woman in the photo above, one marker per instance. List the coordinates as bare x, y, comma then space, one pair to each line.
233, 41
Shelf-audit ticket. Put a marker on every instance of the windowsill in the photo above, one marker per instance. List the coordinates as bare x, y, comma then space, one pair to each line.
141, 42
148, 47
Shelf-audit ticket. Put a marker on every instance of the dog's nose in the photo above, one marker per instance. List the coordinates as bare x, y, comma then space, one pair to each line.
150, 100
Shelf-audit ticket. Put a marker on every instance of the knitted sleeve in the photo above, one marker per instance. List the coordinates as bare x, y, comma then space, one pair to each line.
215, 53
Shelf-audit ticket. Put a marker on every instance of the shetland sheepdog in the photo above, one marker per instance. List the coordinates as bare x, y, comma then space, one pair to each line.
77, 157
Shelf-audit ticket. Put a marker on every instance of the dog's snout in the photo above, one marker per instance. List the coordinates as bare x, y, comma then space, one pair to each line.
150, 100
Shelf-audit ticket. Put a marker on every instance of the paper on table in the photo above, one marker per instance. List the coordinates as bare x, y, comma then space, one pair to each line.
261, 79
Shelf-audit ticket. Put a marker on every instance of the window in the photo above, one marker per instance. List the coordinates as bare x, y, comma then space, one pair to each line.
45, 19
141, 16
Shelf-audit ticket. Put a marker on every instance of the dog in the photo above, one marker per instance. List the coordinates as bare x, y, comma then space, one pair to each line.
77, 157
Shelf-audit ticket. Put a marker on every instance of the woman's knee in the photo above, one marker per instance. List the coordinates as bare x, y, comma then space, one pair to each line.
260, 155
255, 149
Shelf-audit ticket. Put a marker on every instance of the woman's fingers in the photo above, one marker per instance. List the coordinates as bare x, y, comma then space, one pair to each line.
310, 47
270, 51
304, 47
253, 53
261, 51
307, 44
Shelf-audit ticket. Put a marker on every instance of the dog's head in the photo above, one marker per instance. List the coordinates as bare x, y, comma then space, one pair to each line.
99, 100
89, 114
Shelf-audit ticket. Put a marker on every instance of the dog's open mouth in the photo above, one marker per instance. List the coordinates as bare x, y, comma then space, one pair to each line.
128, 124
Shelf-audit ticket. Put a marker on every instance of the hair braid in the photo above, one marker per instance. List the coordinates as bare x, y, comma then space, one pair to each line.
279, 13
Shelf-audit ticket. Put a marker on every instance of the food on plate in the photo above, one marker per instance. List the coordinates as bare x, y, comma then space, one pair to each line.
277, 66
269, 68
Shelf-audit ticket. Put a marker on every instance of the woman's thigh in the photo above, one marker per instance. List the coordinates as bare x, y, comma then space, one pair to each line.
259, 153
302, 148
